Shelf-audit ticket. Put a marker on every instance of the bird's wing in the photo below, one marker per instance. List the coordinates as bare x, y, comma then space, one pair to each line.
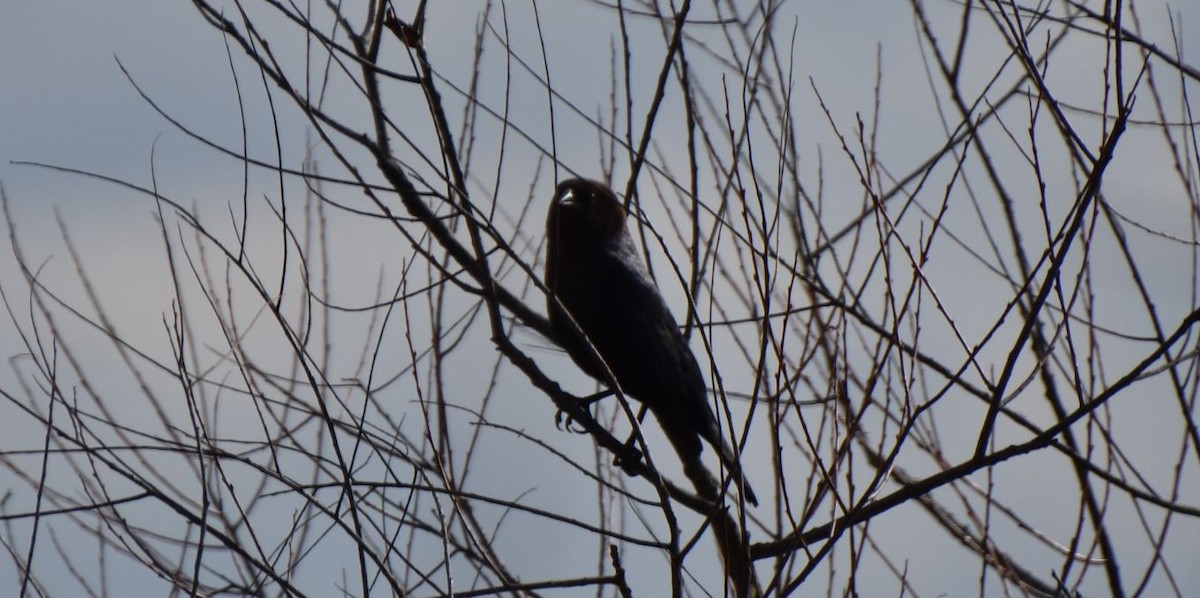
625, 318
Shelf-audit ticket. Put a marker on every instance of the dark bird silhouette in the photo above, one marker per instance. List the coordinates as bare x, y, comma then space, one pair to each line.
609, 316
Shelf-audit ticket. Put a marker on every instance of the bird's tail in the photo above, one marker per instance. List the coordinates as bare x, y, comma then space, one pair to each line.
734, 468
689, 438
733, 543
689, 446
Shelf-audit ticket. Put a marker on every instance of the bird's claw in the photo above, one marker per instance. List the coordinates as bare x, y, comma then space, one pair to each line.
629, 458
563, 420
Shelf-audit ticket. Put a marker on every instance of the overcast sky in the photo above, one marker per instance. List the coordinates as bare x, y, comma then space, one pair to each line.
65, 101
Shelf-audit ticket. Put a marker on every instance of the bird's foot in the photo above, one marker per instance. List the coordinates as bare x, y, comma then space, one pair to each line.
628, 459
563, 419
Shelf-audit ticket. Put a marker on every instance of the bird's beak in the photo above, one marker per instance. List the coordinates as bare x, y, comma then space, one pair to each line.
568, 198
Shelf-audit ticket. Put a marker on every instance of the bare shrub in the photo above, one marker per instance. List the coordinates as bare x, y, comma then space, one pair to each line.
946, 302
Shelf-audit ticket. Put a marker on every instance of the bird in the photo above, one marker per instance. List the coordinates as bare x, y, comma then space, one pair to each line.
607, 313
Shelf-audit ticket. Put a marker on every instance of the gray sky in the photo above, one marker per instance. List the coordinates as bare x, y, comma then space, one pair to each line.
66, 102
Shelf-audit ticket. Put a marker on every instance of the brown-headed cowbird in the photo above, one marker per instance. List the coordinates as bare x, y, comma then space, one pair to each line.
609, 316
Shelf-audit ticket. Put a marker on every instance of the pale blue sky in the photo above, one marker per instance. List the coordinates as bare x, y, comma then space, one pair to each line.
65, 101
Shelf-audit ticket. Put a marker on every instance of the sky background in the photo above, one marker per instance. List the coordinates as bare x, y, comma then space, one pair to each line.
66, 102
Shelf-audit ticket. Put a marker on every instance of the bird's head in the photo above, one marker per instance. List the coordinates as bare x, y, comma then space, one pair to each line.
585, 211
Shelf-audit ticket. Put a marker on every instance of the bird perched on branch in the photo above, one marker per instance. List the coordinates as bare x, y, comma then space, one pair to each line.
609, 316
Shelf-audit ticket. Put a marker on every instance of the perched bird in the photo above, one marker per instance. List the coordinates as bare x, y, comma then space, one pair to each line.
609, 316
